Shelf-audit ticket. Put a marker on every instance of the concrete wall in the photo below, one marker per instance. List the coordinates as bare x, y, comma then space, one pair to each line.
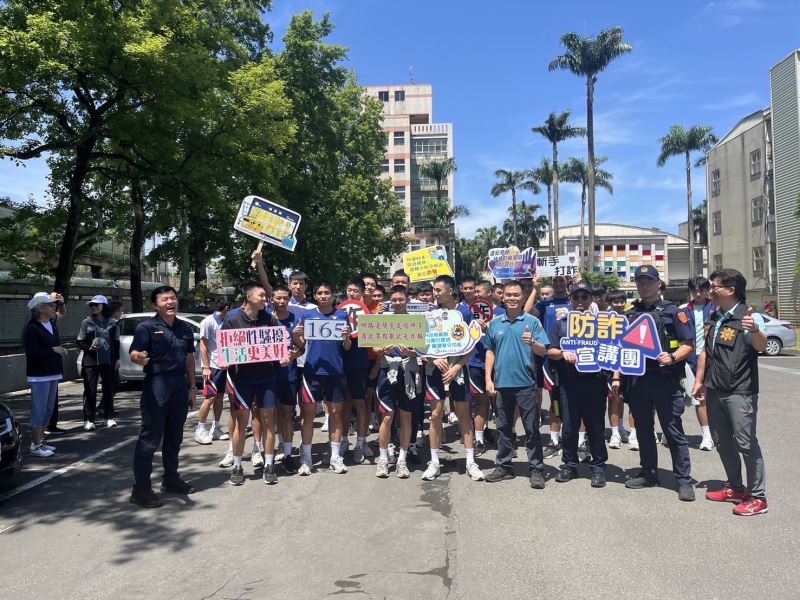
12, 368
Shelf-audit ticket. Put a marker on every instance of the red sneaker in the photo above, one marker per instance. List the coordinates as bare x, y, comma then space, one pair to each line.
750, 507
726, 494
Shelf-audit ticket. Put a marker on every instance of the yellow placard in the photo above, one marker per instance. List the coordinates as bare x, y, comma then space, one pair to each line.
426, 264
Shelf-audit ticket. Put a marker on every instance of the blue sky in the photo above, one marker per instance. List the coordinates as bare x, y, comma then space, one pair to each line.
693, 62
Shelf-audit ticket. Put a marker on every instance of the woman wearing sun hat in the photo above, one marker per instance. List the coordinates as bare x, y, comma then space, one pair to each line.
44, 365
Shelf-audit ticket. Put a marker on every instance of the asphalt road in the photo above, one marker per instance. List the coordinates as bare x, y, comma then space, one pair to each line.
76, 536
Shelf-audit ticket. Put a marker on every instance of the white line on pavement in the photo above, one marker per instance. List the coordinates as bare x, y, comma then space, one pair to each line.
71, 467
781, 369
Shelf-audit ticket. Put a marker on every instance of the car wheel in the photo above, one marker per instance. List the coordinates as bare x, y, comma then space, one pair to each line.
774, 347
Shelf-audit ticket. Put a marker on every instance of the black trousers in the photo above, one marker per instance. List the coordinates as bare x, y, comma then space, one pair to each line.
91, 375
507, 400
164, 405
584, 398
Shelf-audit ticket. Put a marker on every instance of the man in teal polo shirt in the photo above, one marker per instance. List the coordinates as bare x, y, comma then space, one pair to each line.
511, 341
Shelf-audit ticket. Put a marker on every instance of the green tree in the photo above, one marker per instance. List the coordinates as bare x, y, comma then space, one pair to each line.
682, 142
439, 170
473, 254
511, 181
557, 128
587, 57
439, 216
700, 222
531, 227
544, 175
577, 171
610, 281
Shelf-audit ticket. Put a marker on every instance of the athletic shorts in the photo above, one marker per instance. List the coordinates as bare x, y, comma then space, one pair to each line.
216, 384
434, 388
287, 393
316, 388
392, 396
372, 383
477, 380
357, 383
247, 395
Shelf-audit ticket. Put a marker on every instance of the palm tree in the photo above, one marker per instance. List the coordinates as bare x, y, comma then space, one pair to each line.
682, 142
438, 215
587, 57
473, 254
577, 171
530, 225
700, 222
543, 174
511, 181
438, 170
557, 129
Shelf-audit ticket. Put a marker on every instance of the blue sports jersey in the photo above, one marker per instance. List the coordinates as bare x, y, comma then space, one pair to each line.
547, 310
289, 373
324, 357
478, 358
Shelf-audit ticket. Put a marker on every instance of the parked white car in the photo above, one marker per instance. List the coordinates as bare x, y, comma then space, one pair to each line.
780, 335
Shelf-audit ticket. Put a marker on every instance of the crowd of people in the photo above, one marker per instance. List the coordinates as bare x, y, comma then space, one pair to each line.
709, 360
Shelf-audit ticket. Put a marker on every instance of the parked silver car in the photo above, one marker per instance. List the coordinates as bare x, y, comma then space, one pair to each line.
780, 335
130, 371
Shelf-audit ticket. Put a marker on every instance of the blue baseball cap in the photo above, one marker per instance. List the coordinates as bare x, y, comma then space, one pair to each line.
646, 271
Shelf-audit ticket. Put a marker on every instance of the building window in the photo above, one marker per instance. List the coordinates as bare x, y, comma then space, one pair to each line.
383, 96
758, 261
399, 138
400, 165
427, 148
385, 165
415, 245
400, 192
757, 211
717, 262
399, 96
716, 226
715, 183
755, 164
424, 182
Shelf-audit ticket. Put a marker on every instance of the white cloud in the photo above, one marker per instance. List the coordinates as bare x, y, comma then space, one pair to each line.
749, 99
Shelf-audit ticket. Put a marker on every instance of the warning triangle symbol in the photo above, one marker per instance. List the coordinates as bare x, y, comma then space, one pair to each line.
642, 334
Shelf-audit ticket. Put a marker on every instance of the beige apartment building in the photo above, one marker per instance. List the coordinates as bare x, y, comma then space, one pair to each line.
412, 138
753, 184
741, 205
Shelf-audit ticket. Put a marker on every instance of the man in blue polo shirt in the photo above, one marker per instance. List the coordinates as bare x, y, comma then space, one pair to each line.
512, 340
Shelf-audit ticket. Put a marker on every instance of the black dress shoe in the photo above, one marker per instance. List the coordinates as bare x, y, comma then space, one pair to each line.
146, 498
537, 479
177, 486
55, 431
598, 480
566, 474
685, 493
500, 474
640, 482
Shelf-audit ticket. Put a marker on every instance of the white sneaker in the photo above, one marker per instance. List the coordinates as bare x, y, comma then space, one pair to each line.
47, 446
633, 443
344, 446
111, 423
474, 471
202, 437
218, 434
383, 468
279, 456
324, 427
41, 451
89, 426
256, 459
707, 444
337, 465
305, 469
358, 455
432, 472
615, 441
227, 460
452, 418
401, 470
368, 453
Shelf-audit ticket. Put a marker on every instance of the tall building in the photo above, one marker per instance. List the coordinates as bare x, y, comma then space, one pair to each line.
741, 205
785, 92
412, 138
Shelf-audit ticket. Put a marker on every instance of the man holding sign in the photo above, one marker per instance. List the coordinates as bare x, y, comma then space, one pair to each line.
326, 335
252, 385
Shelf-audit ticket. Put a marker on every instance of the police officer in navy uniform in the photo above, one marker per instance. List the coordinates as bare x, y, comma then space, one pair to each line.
582, 395
660, 387
164, 347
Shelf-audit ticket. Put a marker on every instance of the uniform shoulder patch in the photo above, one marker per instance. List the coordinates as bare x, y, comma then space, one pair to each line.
683, 319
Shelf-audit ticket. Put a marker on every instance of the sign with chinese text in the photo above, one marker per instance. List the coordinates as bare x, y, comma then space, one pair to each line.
426, 264
354, 310
323, 330
448, 334
606, 341
482, 311
512, 263
550, 266
252, 345
268, 222
388, 329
